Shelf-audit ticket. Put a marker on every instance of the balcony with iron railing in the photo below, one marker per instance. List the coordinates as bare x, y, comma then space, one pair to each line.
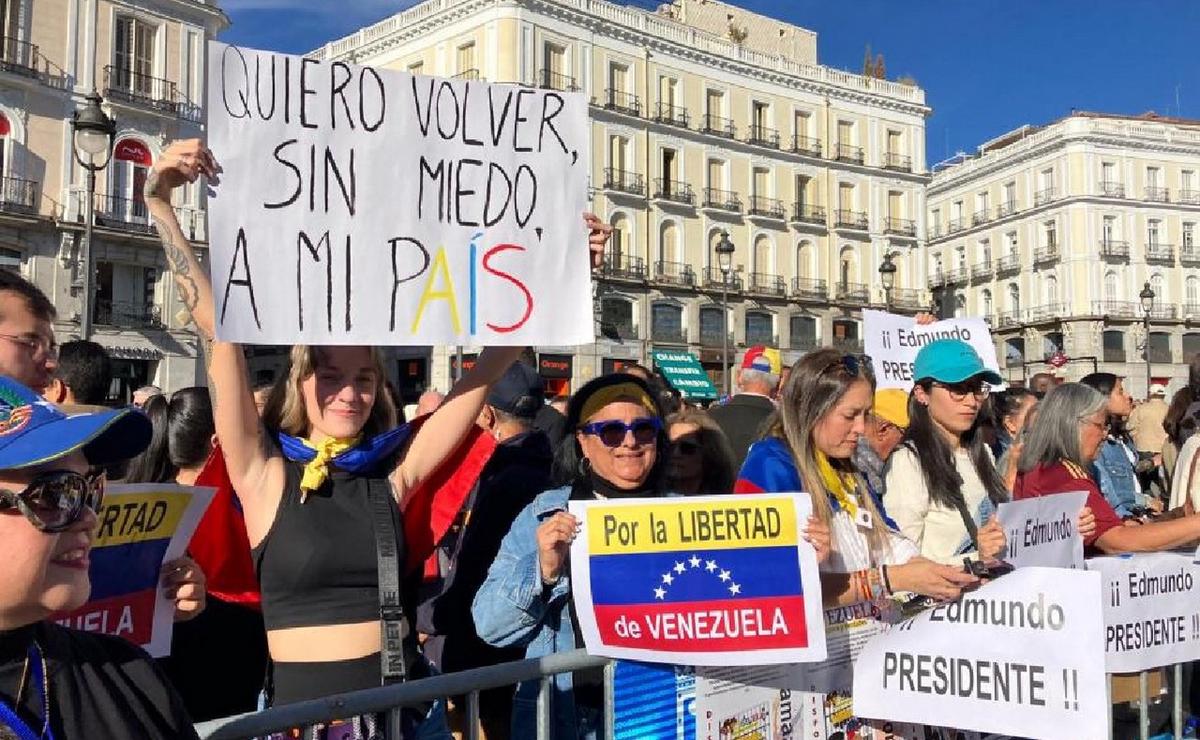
767, 207
1047, 312
763, 136
126, 314
622, 102
1112, 189
19, 196
803, 343
848, 153
1157, 194
1006, 209
1114, 249
806, 145
674, 191
1008, 263
722, 200
674, 273
845, 219
715, 339
900, 227
806, 213
938, 278
668, 334
1164, 312
897, 162
148, 92
982, 270
672, 115
715, 278
982, 216
1046, 254
621, 266
1189, 197
1160, 253
847, 345
856, 293
1189, 256
548, 79
127, 216
765, 283
933, 230
1006, 319
1116, 309
24, 59
469, 75
765, 338
622, 330
957, 276
624, 181
718, 126
810, 289
1191, 311
954, 225
1044, 196
910, 299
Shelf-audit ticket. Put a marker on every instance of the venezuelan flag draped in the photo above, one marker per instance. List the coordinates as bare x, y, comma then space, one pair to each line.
715, 580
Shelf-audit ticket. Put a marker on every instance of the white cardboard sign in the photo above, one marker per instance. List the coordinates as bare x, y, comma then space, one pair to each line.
893, 341
1044, 530
1019, 656
371, 206
1151, 610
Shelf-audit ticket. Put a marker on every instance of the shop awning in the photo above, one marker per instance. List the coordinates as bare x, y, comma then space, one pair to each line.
683, 371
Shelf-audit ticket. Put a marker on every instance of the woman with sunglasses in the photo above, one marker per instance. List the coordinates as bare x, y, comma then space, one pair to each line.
943, 471
57, 682
808, 447
701, 459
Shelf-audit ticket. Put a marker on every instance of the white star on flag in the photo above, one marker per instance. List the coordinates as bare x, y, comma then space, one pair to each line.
680, 567
724, 575
668, 578
710, 565
735, 589
660, 592
694, 562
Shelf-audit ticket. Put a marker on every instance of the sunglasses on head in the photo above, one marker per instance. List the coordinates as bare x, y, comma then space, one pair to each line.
612, 433
54, 501
853, 365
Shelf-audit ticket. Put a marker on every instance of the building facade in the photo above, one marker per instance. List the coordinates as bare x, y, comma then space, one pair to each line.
706, 119
146, 59
1051, 233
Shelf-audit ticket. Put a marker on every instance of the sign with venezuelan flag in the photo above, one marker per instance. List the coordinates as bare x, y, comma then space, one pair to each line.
705, 580
141, 527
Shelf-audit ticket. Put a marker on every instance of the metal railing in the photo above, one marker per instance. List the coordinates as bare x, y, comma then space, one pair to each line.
848, 153
1008, 318
623, 266
674, 273
803, 343
908, 298
769, 207
1044, 196
674, 191
982, 216
858, 293
1008, 263
898, 162
672, 115
1191, 310
1114, 249
981, 271
624, 181
766, 283
668, 335
548, 79
808, 214
20, 57
806, 145
934, 230
1046, 312
956, 276
126, 314
1158, 252
763, 136
1157, 194
1048, 253
622, 102
1006, 209
851, 219
900, 226
19, 196
718, 126
1116, 309
954, 225
849, 346
812, 289
147, 91
129, 214
1112, 189
716, 338
1189, 197
714, 278
1189, 255
725, 200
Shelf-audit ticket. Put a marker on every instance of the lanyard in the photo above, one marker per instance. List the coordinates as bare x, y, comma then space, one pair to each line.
8, 716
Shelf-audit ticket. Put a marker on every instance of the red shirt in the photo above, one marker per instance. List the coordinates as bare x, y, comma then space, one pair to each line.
1067, 477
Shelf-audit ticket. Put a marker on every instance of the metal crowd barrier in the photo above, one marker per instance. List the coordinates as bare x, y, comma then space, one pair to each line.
390, 700
1144, 701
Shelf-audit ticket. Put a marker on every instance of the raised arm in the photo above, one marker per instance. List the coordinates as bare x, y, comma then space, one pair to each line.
243, 440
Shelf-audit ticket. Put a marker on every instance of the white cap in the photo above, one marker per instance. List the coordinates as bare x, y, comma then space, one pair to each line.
1158, 389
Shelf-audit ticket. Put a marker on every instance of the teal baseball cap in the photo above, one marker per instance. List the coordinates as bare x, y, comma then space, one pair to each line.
951, 361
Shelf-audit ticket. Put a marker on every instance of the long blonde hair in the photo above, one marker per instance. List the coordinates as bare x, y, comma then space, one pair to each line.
817, 383
284, 410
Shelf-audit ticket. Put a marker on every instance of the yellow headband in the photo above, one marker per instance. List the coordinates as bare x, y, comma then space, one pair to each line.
630, 392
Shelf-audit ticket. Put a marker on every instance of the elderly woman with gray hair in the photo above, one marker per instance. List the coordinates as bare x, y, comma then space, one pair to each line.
1057, 456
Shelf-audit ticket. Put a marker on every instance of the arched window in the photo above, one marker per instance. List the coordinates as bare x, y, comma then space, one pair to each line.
1052, 344
1014, 352
131, 163
1014, 298
5, 133
804, 260
762, 255
616, 318
760, 328
668, 243
1159, 285
712, 326
1050, 286
985, 300
666, 323
848, 267
620, 245
1112, 289
960, 306
1191, 289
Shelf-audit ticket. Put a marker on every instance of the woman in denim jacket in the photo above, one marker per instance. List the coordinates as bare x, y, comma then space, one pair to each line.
1114, 468
618, 451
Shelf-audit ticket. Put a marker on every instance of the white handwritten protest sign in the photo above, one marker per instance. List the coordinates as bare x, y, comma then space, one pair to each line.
1021, 655
1044, 530
893, 343
1151, 610
370, 206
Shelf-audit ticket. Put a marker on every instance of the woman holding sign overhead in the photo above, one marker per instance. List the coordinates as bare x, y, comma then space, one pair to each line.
323, 478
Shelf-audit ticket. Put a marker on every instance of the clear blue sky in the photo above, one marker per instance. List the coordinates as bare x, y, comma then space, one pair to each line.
987, 66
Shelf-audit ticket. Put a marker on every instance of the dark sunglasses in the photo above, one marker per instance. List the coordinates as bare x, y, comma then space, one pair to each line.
686, 447
53, 502
612, 433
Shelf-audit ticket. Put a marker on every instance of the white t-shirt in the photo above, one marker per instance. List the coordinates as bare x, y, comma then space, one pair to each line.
937, 530
852, 549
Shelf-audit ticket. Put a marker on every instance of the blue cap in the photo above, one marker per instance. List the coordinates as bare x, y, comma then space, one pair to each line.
520, 391
34, 431
951, 361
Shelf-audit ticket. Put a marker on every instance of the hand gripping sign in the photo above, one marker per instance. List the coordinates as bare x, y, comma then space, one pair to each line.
1021, 655
1043, 531
706, 580
371, 206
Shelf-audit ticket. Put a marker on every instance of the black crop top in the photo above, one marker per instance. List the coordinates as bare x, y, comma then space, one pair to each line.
318, 565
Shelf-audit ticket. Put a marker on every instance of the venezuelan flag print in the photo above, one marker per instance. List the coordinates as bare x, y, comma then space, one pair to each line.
716, 580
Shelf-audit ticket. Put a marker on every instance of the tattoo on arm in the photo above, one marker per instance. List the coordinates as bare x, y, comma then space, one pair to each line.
178, 256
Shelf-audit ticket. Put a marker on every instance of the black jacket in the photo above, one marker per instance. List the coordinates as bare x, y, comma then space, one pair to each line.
742, 419
518, 471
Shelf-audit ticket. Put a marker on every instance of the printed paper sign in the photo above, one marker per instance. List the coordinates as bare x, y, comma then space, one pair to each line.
1151, 610
1044, 531
706, 580
142, 527
372, 206
893, 342
1021, 655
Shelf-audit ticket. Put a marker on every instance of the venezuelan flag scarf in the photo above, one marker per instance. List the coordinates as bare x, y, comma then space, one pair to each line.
352, 455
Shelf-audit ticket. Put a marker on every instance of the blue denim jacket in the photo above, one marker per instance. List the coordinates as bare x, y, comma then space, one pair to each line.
513, 608
1117, 478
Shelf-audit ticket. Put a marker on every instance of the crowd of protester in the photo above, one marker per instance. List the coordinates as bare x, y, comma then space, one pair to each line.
298, 599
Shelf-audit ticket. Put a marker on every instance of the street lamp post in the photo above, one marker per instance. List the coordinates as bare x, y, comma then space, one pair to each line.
92, 133
887, 275
1147, 296
725, 251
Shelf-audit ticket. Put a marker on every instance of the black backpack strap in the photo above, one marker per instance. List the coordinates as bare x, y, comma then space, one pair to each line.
392, 622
